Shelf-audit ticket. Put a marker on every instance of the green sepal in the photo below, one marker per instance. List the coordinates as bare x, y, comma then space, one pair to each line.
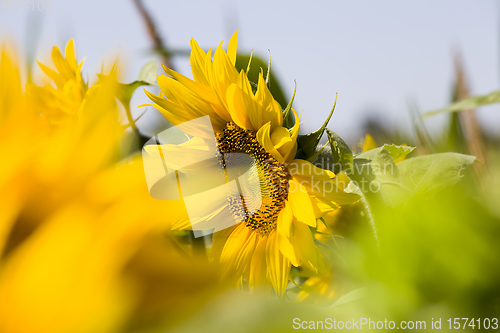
288, 117
308, 143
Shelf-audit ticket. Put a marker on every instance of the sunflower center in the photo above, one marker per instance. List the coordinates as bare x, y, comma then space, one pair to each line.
273, 180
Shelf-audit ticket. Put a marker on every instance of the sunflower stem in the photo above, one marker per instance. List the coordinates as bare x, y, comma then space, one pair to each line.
371, 219
130, 118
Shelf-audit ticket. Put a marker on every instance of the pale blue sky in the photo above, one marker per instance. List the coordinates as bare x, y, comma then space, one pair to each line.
378, 55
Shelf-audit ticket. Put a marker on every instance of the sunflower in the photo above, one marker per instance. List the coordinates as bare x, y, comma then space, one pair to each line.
83, 246
69, 91
260, 250
65, 97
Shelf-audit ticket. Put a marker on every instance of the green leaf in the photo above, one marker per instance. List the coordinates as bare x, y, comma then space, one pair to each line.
361, 171
384, 168
148, 73
433, 172
386, 183
387, 180
352, 296
320, 152
126, 91
374, 169
394, 184
372, 174
395, 151
468, 103
341, 153
309, 142
147, 77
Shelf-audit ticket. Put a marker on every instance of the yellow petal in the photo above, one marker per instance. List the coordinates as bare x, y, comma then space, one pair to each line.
284, 229
197, 60
342, 180
53, 75
301, 203
231, 48
322, 208
279, 137
268, 108
306, 251
245, 255
173, 112
189, 100
264, 138
240, 103
237, 251
221, 73
289, 149
10, 81
369, 143
70, 54
177, 114
285, 220
278, 266
12, 201
331, 192
319, 183
258, 268
185, 156
202, 91
305, 170
61, 64
219, 240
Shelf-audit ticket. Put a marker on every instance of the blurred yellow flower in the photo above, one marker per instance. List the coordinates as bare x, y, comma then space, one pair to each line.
261, 249
369, 143
65, 99
318, 289
83, 247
